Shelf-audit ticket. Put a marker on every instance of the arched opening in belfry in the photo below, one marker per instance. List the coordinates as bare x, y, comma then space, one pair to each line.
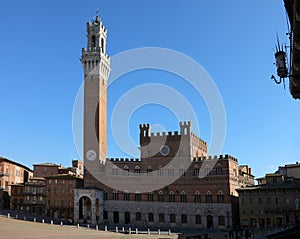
102, 45
85, 209
93, 42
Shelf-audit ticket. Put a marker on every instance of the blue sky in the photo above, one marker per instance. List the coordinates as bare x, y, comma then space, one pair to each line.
40, 73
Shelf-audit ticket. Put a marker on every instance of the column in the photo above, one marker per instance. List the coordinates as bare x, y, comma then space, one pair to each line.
100, 212
94, 211
76, 207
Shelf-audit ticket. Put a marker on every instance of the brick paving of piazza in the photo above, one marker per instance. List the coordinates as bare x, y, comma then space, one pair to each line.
12, 229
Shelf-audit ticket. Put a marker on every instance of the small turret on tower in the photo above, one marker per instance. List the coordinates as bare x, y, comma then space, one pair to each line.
144, 130
185, 127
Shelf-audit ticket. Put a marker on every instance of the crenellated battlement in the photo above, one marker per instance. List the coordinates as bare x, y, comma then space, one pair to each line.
94, 66
183, 141
164, 134
185, 129
195, 137
124, 159
93, 53
215, 157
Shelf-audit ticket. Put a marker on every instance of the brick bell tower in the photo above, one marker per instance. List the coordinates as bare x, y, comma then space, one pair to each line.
96, 67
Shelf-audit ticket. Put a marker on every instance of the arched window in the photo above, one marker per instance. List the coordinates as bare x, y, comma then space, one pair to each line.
149, 171
196, 172
126, 196
234, 173
219, 170
161, 217
208, 197
160, 172
137, 171
197, 197
209, 221
161, 196
115, 170
115, 195
221, 220
220, 197
116, 216
102, 45
150, 197
182, 196
93, 42
150, 217
172, 218
170, 172
171, 197
105, 195
125, 171
127, 217
137, 196
207, 170
183, 218
138, 217
181, 171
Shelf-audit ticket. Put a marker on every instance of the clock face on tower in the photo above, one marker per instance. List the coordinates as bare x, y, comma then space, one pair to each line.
91, 155
164, 150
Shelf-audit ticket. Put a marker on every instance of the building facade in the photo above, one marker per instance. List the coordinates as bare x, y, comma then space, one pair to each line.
201, 192
17, 197
50, 192
29, 197
174, 183
45, 169
246, 178
290, 170
60, 195
35, 196
293, 11
273, 202
11, 173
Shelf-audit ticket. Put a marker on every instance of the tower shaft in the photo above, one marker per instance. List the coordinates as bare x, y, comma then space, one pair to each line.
96, 67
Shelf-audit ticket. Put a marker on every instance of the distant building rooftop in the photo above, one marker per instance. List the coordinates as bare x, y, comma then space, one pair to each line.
45, 164
16, 163
64, 176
